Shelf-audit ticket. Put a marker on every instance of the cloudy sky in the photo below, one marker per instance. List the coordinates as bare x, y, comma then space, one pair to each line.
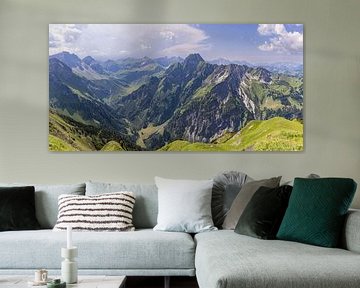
256, 43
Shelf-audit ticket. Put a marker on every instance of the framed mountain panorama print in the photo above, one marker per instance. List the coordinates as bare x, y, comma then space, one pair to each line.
176, 87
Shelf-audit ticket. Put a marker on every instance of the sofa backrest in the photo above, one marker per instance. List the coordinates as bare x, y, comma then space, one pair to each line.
146, 203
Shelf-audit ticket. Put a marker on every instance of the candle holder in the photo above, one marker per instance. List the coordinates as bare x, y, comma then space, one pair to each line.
69, 272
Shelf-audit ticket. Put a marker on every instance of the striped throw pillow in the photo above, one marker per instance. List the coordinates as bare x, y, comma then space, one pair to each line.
105, 212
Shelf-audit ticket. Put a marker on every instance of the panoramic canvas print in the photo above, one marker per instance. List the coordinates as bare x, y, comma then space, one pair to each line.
176, 87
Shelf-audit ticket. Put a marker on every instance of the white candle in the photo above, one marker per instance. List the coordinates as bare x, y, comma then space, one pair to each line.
69, 239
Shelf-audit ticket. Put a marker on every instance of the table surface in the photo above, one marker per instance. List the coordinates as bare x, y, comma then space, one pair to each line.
84, 281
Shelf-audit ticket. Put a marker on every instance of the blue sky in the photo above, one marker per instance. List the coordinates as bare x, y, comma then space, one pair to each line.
255, 43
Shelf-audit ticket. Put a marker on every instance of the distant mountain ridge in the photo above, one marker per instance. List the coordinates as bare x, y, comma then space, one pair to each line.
153, 102
223, 61
110, 66
293, 69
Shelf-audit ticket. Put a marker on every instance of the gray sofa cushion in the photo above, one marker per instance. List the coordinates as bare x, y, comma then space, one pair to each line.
46, 200
351, 236
146, 204
143, 249
226, 259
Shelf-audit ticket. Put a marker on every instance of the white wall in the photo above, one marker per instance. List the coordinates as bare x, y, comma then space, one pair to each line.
332, 90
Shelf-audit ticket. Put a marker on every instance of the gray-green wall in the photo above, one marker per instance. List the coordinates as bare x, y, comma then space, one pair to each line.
332, 90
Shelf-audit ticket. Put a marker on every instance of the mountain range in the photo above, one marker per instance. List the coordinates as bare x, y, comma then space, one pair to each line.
148, 104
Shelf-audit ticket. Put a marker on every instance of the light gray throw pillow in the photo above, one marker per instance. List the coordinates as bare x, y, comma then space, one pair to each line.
184, 205
243, 198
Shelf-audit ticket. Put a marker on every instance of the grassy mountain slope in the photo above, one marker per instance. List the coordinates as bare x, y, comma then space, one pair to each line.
65, 134
57, 144
112, 146
182, 145
276, 134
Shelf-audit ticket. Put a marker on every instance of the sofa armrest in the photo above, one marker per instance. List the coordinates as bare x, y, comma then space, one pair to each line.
351, 234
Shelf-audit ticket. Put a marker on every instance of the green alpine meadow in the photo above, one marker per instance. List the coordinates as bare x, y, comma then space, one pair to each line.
179, 87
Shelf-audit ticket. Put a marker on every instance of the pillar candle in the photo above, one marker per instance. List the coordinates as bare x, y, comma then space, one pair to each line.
69, 237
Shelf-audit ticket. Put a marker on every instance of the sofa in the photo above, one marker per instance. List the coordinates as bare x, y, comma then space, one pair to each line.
218, 259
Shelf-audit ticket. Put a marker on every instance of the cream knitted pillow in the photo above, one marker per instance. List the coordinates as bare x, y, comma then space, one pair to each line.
105, 212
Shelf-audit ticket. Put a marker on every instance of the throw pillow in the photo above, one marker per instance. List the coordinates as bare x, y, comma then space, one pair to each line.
17, 209
46, 200
106, 212
317, 209
184, 205
243, 198
146, 205
263, 215
226, 186
46, 197
291, 182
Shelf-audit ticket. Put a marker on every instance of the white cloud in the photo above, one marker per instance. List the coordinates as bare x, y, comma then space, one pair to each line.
271, 29
281, 40
185, 49
63, 35
167, 34
126, 40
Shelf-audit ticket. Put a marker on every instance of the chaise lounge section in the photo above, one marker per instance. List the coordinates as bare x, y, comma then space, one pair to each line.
225, 259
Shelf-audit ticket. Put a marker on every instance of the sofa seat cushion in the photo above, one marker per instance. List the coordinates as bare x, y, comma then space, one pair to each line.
142, 249
226, 259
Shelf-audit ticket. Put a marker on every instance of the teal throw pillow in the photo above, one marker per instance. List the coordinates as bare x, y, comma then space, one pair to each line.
316, 211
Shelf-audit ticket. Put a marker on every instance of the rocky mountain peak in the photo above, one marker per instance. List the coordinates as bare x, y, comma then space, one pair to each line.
263, 74
69, 59
193, 60
58, 67
89, 60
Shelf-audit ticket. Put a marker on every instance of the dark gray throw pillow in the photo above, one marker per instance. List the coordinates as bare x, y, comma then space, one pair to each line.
17, 209
46, 199
225, 189
263, 214
243, 198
